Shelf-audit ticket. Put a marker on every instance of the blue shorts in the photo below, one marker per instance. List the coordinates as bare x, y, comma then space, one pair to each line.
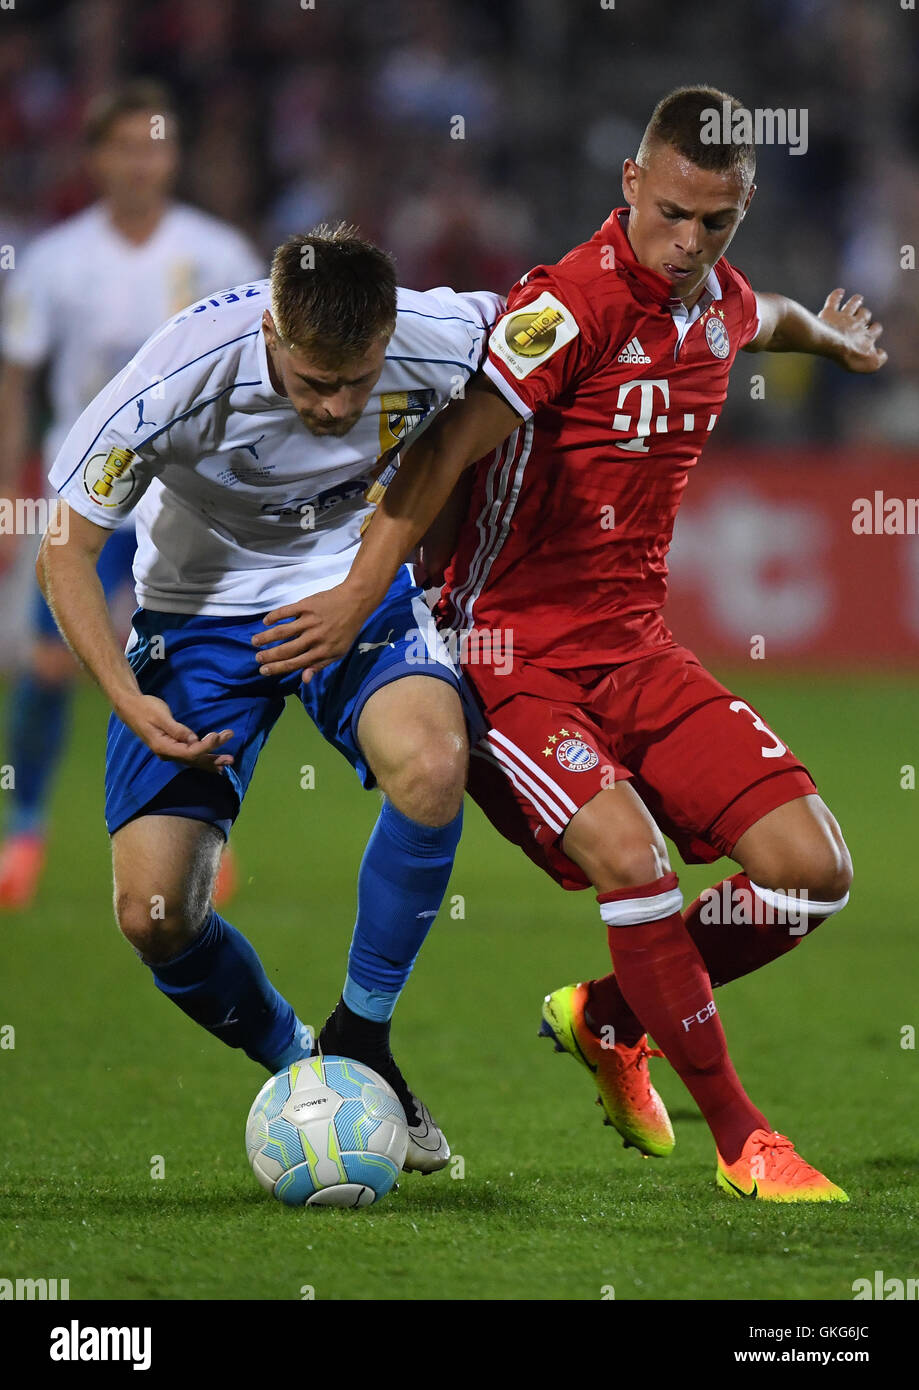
205, 669
115, 570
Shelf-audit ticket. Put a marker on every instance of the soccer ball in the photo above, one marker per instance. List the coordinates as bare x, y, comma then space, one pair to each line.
326, 1132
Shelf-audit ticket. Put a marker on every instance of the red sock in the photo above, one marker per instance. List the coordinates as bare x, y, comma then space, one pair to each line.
605, 1005
737, 931
664, 982
731, 941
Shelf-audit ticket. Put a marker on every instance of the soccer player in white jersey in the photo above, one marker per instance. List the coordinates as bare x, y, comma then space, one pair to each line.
82, 299
280, 406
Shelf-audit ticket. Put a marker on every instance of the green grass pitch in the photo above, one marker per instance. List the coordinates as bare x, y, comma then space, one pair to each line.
105, 1075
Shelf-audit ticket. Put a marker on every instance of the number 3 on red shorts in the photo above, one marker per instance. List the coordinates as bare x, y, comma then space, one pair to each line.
777, 748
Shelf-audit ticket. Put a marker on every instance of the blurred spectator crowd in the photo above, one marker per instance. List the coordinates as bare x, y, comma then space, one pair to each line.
296, 112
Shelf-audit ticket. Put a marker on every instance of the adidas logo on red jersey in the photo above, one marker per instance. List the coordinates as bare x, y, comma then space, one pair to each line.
633, 354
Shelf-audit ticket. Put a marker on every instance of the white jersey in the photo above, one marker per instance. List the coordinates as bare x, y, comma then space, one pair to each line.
84, 299
239, 509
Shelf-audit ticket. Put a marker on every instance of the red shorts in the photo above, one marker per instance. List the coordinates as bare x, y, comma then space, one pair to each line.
703, 761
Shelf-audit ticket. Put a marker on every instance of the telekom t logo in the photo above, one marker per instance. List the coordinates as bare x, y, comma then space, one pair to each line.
645, 414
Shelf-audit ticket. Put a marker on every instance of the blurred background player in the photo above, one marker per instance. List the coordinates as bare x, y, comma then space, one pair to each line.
84, 297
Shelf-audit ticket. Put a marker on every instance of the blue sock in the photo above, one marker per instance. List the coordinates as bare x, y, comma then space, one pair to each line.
38, 722
404, 874
220, 982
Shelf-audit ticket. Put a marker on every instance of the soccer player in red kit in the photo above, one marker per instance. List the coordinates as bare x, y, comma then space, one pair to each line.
602, 383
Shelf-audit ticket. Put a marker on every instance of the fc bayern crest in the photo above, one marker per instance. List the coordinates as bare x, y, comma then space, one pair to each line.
576, 756
717, 337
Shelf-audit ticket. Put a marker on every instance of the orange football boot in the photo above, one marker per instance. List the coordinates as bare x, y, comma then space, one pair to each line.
769, 1170
630, 1103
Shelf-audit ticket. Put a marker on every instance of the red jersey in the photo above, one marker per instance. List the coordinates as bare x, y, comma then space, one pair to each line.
619, 386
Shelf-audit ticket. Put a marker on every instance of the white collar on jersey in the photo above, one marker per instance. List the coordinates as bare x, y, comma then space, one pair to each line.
684, 318
711, 292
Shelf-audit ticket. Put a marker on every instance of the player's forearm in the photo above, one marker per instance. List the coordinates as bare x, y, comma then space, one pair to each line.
424, 482
465, 431
68, 579
438, 545
796, 329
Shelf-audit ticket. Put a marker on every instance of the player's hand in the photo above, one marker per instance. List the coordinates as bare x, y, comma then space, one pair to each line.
313, 632
858, 350
151, 720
